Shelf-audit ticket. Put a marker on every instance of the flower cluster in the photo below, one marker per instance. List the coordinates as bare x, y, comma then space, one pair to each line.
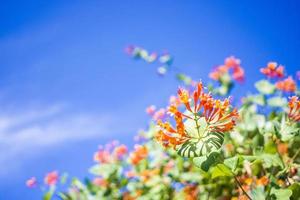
140, 153
230, 63
111, 153
200, 106
286, 85
273, 70
50, 179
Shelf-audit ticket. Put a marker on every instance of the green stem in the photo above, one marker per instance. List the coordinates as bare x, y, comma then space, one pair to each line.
240, 185
197, 125
295, 156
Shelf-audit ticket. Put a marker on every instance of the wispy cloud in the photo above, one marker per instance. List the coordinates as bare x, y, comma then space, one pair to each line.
24, 132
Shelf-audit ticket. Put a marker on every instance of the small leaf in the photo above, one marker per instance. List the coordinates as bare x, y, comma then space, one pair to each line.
270, 160
281, 194
233, 162
265, 87
221, 170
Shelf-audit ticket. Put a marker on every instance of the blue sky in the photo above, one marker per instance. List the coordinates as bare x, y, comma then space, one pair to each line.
66, 85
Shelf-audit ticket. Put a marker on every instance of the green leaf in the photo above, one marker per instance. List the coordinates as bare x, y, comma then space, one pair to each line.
202, 142
296, 190
221, 170
196, 148
286, 130
277, 102
265, 87
270, 160
233, 162
205, 162
281, 194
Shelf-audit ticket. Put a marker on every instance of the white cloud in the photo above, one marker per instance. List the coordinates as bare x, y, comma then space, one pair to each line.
24, 133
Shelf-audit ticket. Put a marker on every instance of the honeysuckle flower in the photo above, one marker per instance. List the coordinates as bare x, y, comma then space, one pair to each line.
204, 115
294, 108
159, 114
51, 178
100, 182
282, 148
232, 63
140, 153
191, 192
102, 156
32, 182
120, 151
286, 85
150, 110
263, 181
217, 73
238, 74
273, 70
173, 100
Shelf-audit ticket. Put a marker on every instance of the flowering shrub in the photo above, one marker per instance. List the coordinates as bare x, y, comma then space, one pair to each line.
202, 145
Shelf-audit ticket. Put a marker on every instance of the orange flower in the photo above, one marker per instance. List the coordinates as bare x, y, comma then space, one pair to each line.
140, 153
294, 109
102, 156
191, 192
286, 85
263, 181
120, 150
273, 70
282, 148
51, 178
280, 182
216, 114
231, 61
